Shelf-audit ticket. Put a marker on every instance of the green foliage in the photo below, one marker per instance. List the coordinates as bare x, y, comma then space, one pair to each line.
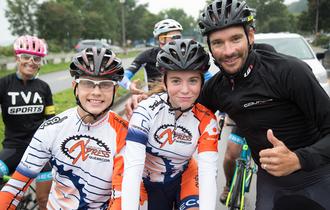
6, 51
321, 40
21, 16
188, 22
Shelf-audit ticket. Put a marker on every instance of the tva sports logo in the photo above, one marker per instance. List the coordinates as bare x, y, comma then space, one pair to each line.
33, 102
83, 147
168, 134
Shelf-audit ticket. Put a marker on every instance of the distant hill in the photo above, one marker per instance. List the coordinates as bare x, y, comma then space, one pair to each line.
298, 7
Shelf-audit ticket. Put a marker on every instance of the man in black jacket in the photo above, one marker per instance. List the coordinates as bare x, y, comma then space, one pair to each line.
277, 103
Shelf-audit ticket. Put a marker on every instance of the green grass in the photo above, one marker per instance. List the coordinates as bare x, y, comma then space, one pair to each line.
65, 100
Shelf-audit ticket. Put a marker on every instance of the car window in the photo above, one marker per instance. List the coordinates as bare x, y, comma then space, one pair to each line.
296, 47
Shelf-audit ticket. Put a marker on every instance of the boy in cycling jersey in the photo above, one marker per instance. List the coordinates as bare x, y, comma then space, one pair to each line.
276, 102
26, 102
82, 143
164, 132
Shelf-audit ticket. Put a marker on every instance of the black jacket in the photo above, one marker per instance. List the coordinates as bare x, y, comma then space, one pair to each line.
279, 92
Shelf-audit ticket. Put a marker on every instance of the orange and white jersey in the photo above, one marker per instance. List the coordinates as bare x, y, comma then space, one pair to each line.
86, 160
160, 146
170, 143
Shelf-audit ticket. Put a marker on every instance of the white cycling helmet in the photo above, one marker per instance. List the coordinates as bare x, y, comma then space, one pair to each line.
166, 26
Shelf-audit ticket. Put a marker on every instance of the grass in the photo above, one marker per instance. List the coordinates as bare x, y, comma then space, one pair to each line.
65, 100
48, 68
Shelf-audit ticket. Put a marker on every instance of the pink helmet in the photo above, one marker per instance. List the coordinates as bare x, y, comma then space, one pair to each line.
30, 45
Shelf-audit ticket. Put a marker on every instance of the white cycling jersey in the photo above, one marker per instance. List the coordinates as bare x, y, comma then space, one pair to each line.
164, 145
83, 158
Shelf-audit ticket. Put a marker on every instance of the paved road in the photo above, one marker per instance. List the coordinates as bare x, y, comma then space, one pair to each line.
59, 81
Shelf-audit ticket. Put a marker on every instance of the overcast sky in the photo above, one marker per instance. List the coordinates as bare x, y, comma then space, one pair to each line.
190, 7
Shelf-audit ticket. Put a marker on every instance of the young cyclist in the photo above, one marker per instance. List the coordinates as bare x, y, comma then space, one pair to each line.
82, 143
277, 104
26, 102
164, 132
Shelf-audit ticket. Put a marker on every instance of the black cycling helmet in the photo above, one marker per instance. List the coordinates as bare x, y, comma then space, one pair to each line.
183, 54
97, 62
224, 13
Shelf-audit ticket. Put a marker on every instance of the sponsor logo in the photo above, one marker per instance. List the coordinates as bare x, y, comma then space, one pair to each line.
83, 147
30, 109
170, 134
153, 106
248, 71
254, 103
27, 97
52, 121
189, 202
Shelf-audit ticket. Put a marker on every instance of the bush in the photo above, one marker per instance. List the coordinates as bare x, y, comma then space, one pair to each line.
321, 40
6, 51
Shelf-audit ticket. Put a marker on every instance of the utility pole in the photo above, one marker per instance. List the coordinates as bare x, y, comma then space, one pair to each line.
317, 17
123, 27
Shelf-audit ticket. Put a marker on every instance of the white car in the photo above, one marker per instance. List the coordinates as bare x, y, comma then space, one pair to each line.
295, 45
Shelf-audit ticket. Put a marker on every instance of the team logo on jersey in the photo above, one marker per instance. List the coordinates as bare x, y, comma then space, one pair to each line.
168, 134
53, 121
83, 147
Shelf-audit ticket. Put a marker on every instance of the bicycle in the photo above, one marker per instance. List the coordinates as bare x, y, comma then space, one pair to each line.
29, 201
242, 178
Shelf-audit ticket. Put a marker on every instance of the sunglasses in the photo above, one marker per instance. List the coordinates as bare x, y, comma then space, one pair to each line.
27, 57
162, 38
89, 84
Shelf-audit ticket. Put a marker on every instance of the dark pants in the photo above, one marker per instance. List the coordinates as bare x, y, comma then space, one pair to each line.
311, 185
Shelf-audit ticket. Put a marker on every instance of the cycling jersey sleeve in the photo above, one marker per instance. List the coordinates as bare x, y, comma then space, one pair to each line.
303, 88
135, 154
207, 75
11, 193
208, 128
207, 173
126, 81
118, 168
33, 160
49, 108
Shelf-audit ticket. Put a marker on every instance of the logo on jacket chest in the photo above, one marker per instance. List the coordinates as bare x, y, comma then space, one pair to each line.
83, 147
170, 134
32, 103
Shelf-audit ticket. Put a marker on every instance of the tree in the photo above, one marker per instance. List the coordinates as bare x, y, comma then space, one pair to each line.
272, 16
188, 22
59, 24
20, 14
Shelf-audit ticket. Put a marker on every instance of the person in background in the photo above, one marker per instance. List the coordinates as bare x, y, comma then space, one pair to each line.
26, 102
164, 132
82, 143
164, 31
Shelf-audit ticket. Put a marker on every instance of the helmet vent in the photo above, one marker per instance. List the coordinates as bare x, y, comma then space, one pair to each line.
183, 48
174, 54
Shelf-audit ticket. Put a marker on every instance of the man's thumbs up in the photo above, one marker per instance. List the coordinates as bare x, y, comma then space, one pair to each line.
273, 140
278, 160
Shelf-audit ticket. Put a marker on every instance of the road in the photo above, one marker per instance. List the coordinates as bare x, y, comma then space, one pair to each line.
59, 81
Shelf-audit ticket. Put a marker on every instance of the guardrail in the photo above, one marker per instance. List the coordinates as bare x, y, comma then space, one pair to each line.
10, 63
